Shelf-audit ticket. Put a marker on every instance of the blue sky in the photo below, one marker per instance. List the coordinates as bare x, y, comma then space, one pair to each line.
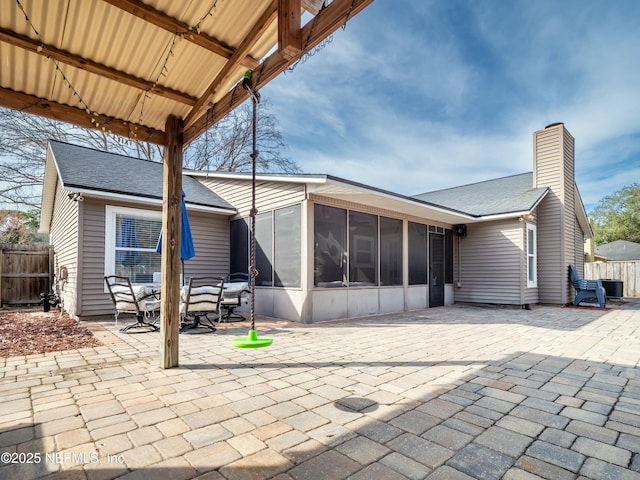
414, 96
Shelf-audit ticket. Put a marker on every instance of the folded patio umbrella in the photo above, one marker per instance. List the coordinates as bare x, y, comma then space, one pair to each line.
187, 249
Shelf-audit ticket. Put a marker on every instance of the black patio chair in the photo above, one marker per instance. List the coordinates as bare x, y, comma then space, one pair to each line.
199, 299
236, 293
138, 301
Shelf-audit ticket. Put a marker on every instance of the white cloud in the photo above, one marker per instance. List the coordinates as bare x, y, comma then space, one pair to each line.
419, 96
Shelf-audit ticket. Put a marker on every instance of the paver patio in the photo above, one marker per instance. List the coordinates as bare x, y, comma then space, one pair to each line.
448, 393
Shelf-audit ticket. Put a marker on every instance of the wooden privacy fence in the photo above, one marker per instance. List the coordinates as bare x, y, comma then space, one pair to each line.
26, 271
628, 272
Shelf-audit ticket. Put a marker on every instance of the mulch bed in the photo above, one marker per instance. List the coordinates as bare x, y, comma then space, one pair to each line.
24, 332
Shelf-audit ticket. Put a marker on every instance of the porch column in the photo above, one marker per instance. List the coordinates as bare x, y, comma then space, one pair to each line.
171, 224
405, 263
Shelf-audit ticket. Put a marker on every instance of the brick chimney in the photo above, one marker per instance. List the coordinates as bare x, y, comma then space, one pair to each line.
560, 241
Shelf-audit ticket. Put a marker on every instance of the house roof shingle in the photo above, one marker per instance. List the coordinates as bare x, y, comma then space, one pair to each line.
492, 197
82, 168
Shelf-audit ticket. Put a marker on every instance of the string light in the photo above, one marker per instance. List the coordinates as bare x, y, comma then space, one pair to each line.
144, 95
164, 70
307, 54
209, 13
353, 4
42, 47
103, 121
314, 51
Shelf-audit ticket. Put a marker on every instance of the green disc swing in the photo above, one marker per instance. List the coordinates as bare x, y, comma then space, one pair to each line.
252, 340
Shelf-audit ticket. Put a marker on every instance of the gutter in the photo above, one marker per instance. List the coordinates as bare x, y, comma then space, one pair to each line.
502, 216
147, 200
292, 178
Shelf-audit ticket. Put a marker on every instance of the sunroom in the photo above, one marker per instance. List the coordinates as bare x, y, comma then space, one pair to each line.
329, 248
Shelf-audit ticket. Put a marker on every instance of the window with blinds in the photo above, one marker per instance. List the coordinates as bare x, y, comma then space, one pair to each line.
131, 238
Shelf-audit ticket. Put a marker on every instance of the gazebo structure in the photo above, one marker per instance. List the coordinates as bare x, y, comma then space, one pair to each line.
161, 71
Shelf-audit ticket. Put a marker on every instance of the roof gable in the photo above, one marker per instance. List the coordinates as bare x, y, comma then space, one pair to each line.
498, 196
89, 170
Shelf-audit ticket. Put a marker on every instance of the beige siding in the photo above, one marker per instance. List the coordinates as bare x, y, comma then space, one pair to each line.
211, 241
64, 232
547, 173
490, 263
554, 168
269, 195
569, 213
94, 300
550, 283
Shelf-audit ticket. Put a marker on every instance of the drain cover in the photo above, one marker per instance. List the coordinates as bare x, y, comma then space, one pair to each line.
356, 404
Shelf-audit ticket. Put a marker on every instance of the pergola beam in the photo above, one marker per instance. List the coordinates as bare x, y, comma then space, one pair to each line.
254, 35
170, 24
87, 65
289, 34
328, 20
312, 6
78, 116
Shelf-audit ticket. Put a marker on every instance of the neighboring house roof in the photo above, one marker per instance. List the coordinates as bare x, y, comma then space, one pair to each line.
500, 196
619, 250
88, 171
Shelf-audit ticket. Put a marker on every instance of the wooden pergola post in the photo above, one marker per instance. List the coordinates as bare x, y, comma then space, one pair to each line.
171, 224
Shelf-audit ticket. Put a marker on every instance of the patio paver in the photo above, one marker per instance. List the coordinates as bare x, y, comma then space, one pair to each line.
454, 392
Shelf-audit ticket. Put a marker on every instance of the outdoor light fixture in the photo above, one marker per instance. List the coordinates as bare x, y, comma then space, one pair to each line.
76, 196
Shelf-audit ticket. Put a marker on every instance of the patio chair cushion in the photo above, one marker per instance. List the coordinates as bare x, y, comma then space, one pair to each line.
234, 288
202, 299
125, 303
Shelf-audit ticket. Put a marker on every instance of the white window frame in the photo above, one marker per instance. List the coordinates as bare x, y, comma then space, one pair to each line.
532, 254
110, 232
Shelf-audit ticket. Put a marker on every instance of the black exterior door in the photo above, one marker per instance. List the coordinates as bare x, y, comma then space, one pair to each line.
436, 270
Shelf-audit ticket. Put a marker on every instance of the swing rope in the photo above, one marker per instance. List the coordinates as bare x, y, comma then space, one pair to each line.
252, 340
254, 211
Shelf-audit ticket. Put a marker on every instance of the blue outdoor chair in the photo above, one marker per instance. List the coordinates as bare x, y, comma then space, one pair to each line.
589, 291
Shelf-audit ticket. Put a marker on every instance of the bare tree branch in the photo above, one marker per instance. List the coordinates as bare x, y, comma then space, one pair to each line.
23, 145
227, 145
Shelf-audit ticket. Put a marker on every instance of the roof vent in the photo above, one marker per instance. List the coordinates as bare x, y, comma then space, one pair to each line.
554, 125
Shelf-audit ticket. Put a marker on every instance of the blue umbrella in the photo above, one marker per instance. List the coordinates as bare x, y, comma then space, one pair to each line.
187, 250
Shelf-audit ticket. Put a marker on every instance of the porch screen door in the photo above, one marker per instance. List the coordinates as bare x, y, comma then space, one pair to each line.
436, 270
